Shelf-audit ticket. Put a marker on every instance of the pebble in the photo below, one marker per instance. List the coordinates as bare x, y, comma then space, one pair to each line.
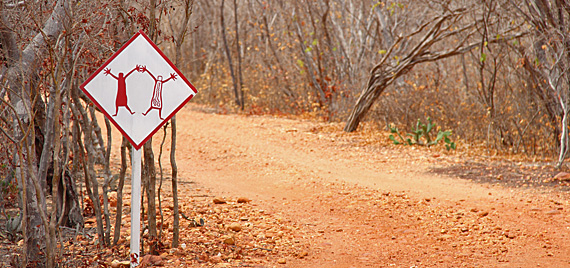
552, 212
483, 214
112, 197
243, 200
216, 259
219, 200
228, 240
235, 227
282, 261
119, 264
445, 237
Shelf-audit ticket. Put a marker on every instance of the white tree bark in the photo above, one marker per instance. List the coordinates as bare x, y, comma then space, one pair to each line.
19, 69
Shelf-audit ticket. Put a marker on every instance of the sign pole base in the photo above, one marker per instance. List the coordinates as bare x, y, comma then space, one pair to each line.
135, 207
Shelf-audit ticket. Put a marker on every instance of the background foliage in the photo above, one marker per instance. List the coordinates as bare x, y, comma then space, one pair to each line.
494, 73
314, 57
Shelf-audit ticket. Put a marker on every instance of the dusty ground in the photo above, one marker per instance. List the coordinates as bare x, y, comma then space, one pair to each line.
311, 195
354, 202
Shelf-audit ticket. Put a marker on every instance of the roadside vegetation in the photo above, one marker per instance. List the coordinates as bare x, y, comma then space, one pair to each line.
493, 74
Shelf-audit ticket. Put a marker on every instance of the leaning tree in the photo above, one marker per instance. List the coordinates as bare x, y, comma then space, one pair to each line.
418, 32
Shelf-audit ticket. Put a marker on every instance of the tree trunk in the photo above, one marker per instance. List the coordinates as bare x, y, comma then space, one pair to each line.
34, 233
178, 40
69, 210
106, 184
88, 155
118, 218
237, 94
176, 222
238, 53
368, 97
21, 64
151, 195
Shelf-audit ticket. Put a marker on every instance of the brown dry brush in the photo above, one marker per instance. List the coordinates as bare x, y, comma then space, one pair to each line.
315, 57
56, 149
467, 64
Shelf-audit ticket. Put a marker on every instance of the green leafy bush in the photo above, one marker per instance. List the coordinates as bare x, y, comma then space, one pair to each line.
421, 134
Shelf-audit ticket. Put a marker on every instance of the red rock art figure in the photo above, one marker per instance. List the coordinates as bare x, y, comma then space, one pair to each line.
156, 101
121, 100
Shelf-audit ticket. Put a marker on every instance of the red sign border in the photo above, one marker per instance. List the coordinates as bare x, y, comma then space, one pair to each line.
141, 33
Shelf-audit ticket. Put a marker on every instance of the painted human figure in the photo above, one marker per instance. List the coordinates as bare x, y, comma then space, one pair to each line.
156, 101
121, 100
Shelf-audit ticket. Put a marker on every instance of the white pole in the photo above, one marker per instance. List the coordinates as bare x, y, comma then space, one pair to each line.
135, 207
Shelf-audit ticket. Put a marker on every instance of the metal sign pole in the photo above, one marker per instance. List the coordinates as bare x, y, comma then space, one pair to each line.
135, 207
107, 88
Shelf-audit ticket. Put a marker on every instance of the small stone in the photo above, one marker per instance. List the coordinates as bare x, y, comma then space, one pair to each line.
445, 237
219, 200
155, 260
243, 200
119, 264
228, 240
236, 227
482, 214
216, 259
112, 197
151, 260
282, 261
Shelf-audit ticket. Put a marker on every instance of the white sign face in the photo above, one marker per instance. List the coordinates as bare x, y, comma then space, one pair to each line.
138, 89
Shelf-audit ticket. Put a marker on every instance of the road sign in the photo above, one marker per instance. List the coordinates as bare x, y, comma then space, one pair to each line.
138, 89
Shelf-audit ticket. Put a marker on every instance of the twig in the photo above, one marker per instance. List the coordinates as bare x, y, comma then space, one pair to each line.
267, 249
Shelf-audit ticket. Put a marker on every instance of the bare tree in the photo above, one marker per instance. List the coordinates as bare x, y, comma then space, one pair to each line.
548, 59
52, 123
238, 94
178, 37
18, 80
416, 46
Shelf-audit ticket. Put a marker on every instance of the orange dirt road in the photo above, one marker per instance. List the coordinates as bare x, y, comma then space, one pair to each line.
361, 204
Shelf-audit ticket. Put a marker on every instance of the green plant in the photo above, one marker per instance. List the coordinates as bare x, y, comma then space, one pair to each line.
422, 130
394, 130
445, 136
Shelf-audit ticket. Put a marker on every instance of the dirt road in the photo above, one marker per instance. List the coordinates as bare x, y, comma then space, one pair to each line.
350, 202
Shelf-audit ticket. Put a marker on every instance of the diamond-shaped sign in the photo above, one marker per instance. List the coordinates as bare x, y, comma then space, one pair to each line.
138, 89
